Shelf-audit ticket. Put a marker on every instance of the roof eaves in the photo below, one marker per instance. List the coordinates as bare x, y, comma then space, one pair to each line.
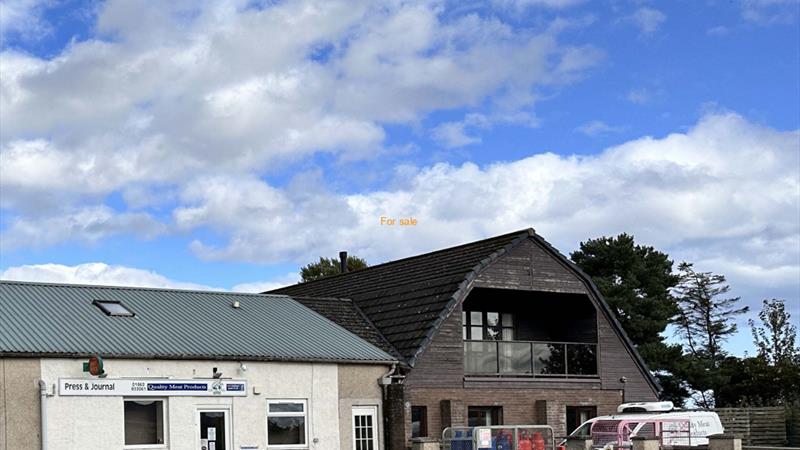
196, 357
464, 287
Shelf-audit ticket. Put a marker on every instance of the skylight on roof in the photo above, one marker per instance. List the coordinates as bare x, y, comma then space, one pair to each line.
113, 308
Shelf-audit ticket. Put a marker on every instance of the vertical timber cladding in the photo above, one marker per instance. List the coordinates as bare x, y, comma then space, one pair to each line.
530, 267
527, 267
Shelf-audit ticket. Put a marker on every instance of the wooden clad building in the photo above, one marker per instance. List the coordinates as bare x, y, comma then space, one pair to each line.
500, 331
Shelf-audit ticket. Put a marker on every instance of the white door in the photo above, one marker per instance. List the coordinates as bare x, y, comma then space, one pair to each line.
365, 428
213, 429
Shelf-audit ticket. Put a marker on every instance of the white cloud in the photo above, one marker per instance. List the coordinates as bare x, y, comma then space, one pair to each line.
23, 17
726, 190
648, 20
184, 90
94, 273
454, 134
522, 4
598, 127
771, 12
88, 224
640, 96
263, 286
718, 31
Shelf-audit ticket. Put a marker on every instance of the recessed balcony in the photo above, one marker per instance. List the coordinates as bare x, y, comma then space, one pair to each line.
529, 358
529, 334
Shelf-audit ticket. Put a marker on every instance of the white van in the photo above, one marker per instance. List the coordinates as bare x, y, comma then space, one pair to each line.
659, 419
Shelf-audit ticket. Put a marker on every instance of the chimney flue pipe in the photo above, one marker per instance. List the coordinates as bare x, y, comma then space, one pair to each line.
342, 262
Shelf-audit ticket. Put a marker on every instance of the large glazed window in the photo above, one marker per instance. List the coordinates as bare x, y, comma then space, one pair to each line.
487, 325
286, 423
144, 422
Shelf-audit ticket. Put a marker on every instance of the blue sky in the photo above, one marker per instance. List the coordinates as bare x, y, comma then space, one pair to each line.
224, 144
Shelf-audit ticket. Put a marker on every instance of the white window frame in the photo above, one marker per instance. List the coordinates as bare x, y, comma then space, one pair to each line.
226, 411
164, 423
288, 414
358, 410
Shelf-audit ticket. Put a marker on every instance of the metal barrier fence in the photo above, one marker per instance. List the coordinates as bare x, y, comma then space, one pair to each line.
517, 437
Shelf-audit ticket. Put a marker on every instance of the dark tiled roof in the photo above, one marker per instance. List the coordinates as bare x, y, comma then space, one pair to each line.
43, 319
406, 299
346, 314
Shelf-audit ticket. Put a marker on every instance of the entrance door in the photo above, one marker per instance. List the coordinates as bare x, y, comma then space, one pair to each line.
213, 429
365, 428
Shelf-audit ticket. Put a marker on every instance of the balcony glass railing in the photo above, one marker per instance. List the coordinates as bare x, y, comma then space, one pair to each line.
525, 358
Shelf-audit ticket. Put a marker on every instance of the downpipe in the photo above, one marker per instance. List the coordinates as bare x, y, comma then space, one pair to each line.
43, 402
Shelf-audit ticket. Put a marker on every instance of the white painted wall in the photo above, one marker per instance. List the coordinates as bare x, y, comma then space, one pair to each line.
97, 422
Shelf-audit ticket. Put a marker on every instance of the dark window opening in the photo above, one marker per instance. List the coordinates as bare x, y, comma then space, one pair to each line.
484, 416
113, 308
144, 422
419, 421
286, 422
487, 325
576, 415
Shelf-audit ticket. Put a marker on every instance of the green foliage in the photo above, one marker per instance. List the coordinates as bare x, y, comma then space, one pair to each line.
771, 378
705, 320
776, 338
706, 317
755, 382
639, 286
327, 267
668, 364
635, 281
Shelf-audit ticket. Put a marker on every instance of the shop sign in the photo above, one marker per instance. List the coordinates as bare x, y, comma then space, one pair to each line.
152, 387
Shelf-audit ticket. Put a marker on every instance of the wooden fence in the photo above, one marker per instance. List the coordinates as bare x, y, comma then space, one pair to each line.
793, 425
757, 426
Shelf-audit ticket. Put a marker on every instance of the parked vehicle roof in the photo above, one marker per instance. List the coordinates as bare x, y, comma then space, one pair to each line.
678, 414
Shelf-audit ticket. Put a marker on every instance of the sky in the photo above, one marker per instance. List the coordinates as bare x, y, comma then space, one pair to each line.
224, 144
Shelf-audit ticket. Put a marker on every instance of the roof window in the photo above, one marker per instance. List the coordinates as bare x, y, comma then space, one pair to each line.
113, 308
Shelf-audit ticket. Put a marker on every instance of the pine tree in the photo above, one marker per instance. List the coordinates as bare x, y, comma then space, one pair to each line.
635, 281
707, 317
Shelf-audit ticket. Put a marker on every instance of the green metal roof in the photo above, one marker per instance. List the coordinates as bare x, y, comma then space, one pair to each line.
44, 319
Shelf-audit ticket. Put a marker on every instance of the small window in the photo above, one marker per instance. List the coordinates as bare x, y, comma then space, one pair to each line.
484, 416
286, 423
577, 415
144, 422
419, 421
113, 308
